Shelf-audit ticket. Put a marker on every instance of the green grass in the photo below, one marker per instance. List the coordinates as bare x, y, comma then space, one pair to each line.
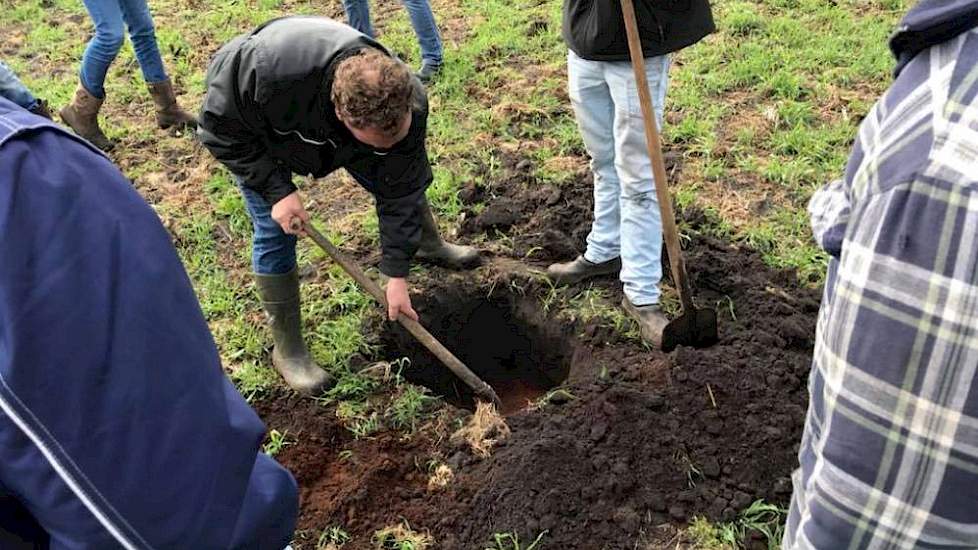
511, 541
593, 306
408, 408
276, 442
760, 517
334, 536
773, 99
368, 403
253, 380
766, 108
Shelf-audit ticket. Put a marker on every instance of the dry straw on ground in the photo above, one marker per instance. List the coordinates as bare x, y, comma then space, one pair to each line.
441, 478
402, 536
484, 429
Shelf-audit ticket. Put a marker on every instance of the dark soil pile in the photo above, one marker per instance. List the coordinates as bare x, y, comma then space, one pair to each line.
643, 438
653, 438
544, 222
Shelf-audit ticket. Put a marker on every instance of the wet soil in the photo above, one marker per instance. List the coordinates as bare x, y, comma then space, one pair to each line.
503, 338
640, 438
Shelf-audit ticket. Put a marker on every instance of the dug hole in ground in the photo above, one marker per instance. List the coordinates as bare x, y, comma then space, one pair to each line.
604, 441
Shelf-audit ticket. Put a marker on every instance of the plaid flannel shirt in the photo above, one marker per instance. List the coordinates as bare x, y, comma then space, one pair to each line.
889, 456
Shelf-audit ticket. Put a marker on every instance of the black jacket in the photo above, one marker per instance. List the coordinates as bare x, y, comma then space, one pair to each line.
268, 114
595, 29
931, 22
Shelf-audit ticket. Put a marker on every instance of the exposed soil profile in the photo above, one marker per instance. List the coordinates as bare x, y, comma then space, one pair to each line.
504, 339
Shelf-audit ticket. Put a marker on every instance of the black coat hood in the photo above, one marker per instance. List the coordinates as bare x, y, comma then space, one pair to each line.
931, 22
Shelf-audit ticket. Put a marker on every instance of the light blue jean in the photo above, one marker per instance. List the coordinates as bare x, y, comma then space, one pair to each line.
422, 19
14, 90
627, 222
111, 18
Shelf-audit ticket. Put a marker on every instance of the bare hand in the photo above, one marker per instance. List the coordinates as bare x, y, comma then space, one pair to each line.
288, 209
398, 300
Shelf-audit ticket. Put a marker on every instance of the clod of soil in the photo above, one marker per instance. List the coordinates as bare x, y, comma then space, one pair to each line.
506, 341
500, 215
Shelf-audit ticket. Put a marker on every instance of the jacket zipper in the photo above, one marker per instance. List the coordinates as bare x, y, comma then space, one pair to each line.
305, 139
319, 143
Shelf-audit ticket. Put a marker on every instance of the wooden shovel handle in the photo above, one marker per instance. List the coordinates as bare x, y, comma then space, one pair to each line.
669, 231
421, 334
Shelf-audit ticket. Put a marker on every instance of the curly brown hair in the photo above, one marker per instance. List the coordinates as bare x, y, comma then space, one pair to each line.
372, 90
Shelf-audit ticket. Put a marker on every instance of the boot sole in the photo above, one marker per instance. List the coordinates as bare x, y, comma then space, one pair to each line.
170, 123
327, 383
570, 279
448, 264
574, 279
471, 261
177, 125
67, 119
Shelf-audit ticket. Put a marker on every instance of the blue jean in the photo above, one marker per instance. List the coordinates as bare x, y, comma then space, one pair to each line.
14, 90
627, 222
111, 17
272, 250
422, 19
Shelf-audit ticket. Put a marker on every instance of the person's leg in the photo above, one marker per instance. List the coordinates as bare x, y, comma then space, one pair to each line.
423, 21
433, 249
14, 90
358, 16
104, 45
272, 250
641, 222
82, 113
594, 111
277, 279
139, 20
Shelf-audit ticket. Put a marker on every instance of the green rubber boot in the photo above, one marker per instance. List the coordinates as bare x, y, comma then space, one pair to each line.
280, 298
436, 251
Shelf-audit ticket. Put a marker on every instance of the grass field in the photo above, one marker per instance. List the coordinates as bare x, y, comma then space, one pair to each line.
761, 114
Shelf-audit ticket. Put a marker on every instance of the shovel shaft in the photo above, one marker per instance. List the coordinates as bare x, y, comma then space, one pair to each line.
421, 334
669, 231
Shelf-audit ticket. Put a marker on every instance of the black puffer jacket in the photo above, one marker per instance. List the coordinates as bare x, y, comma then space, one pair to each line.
595, 29
268, 115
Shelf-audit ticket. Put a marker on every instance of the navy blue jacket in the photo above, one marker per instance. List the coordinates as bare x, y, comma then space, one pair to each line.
118, 427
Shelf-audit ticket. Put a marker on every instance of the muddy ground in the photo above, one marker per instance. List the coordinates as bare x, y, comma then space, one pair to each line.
638, 440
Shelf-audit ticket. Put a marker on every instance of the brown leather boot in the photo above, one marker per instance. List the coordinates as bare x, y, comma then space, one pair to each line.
650, 319
42, 109
82, 116
168, 111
